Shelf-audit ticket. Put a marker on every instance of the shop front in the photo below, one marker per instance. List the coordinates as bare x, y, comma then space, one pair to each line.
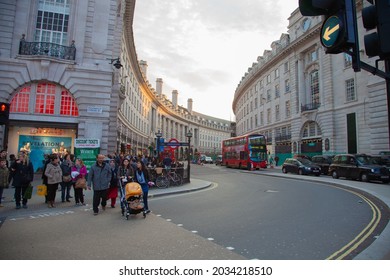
39, 140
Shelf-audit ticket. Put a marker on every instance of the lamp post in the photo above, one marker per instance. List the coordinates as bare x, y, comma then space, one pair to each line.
158, 135
189, 135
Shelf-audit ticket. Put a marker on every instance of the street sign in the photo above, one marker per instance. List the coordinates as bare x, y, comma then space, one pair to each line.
331, 30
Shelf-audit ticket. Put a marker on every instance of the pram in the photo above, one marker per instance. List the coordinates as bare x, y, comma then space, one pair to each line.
131, 199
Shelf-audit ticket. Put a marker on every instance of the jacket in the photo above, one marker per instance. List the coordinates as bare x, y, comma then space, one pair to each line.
53, 173
99, 176
23, 173
82, 172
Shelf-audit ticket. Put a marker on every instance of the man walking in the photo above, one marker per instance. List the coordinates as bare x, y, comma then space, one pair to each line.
99, 177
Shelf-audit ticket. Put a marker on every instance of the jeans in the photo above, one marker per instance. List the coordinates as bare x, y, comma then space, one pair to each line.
65, 188
145, 191
78, 195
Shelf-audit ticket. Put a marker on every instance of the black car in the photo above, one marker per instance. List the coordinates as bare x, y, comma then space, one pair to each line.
300, 166
323, 161
358, 167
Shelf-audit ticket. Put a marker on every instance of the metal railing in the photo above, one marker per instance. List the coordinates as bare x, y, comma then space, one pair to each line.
310, 106
47, 49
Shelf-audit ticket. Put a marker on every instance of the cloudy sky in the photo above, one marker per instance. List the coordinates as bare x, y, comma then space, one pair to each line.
202, 48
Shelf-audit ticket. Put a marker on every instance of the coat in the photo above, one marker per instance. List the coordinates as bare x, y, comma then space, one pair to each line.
99, 176
53, 173
23, 173
4, 174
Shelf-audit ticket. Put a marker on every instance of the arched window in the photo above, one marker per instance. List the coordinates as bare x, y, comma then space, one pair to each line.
45, 99
315, 87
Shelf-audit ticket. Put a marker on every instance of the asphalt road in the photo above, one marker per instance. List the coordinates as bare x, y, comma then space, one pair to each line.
261, 217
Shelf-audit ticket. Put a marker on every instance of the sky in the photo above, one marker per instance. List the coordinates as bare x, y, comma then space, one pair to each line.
202, 48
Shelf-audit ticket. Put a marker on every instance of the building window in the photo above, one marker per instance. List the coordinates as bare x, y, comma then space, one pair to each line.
261, 118
20, 102
311, 129
350, 89
50, 99
314, 87
256, 102
347, 60
313, 56
256, 121
276, 73
277, 113
269, 117
288, 109
277, 91
68, 104
45, 99
287, 86
52, 22
268, 79
268, 95
286, 67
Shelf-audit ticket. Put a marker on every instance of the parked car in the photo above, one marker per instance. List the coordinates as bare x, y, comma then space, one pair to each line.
208, 160
300, 166
218, 160
323, 161
359, 167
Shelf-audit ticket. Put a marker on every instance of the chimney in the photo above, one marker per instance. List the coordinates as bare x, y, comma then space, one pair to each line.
144, 68
159, 86
189, 105
175, 94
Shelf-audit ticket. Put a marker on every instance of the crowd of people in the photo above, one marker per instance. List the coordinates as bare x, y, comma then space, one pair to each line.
66, 172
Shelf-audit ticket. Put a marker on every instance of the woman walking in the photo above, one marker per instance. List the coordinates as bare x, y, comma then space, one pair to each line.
23, 175
81, 170
66, 184
53, 173
113, 190
142, 178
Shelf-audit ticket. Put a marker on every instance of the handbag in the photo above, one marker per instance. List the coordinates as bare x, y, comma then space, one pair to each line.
81, 183
66, 178
42, 190
28, 192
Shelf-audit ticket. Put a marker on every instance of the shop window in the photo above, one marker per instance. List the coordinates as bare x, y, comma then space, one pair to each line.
68, 104
20, 102
50, 99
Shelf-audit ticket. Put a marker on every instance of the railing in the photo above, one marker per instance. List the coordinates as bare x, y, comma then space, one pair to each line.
310, 106
47, 49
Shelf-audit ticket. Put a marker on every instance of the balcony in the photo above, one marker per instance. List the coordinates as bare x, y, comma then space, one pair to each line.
47, 49
310, 106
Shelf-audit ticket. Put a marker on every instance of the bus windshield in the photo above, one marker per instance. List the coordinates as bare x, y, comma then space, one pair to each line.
257, 148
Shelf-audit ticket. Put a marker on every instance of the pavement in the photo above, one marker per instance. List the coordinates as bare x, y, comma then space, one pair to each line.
378, 250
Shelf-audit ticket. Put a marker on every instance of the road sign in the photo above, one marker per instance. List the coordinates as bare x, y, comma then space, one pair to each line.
331, 30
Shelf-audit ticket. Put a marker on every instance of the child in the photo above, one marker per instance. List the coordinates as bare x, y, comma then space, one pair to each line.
4, 174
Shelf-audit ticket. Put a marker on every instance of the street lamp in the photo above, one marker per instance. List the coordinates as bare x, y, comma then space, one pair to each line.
158, 135
189, 135
116, 62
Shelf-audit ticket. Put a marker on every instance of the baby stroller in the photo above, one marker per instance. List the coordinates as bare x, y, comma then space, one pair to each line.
131, 199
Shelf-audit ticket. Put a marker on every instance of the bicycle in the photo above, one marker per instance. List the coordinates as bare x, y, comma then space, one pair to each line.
164, 180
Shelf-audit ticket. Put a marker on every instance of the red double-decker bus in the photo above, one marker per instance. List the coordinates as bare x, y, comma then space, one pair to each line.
247, 151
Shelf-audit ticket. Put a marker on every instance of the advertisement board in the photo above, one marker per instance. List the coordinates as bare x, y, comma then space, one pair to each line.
87, 150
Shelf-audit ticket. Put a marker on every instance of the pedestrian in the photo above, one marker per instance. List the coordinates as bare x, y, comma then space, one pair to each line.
23, 176
4, 175
113, 190
53, 173
276, 160
79, 171
126, 172
99, 177
142, 178
66, 184
12, 159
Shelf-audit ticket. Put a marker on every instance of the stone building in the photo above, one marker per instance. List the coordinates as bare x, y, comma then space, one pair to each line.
69, 69
308, 102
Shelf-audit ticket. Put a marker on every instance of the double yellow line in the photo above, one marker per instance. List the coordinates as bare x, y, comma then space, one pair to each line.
363, 235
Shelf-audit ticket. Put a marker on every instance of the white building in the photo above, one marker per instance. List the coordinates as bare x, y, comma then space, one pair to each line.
60, 71
309, 102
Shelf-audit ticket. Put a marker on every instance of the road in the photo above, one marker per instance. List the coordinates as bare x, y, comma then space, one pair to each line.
262, 217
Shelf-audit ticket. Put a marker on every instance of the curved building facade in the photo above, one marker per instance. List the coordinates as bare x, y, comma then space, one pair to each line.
309, 102
59, 73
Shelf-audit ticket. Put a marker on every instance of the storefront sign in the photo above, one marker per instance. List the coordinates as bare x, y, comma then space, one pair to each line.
87, 150
39, 146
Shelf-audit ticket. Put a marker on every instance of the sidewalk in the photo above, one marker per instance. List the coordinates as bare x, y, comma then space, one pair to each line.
38, 202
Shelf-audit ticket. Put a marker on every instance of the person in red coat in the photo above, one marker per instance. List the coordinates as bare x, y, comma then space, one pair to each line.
113, 190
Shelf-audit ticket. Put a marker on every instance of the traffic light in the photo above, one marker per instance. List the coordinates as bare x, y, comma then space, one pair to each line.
4, 113
377, 16
339, 29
